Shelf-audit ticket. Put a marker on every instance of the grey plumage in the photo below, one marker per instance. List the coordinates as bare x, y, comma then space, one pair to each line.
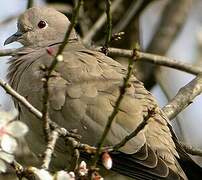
83, 89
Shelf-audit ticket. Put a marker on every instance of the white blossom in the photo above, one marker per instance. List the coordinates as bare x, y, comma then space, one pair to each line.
41, 174
63, 175
10, 129
83, 171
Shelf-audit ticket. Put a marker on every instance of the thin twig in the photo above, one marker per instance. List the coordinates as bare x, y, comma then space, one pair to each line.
54, 135
184, 97
7, 52
76, 154
114, 112
45, 109
30, 3
23, 172
19, 169
85, 147
109, 23
100, 22
136, 131
20, 98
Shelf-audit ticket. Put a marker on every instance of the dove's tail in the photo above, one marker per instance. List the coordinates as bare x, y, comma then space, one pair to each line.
191, 169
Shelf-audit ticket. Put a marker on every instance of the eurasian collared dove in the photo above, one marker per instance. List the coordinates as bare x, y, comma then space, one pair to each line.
84, 88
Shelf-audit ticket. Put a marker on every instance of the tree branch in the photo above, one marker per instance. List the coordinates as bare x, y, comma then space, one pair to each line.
100, 22
109, 23
8, 52
156, 59
172, 20
30, 3
184, 97
54, 135
20, 98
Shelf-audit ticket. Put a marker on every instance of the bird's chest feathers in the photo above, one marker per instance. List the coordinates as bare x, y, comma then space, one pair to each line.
79, 88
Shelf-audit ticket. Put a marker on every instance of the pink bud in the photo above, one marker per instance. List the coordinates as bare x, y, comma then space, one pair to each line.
50, 51
106, 160
96, 176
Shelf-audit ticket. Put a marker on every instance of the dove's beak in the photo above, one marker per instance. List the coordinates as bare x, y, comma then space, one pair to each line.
13, 38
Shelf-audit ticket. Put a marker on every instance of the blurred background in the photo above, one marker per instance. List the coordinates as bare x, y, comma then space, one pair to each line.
167, 27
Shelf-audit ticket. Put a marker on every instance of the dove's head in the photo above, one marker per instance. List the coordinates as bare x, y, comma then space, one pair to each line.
40, 26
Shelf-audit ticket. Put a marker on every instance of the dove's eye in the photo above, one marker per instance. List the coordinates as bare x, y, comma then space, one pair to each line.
42, 24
